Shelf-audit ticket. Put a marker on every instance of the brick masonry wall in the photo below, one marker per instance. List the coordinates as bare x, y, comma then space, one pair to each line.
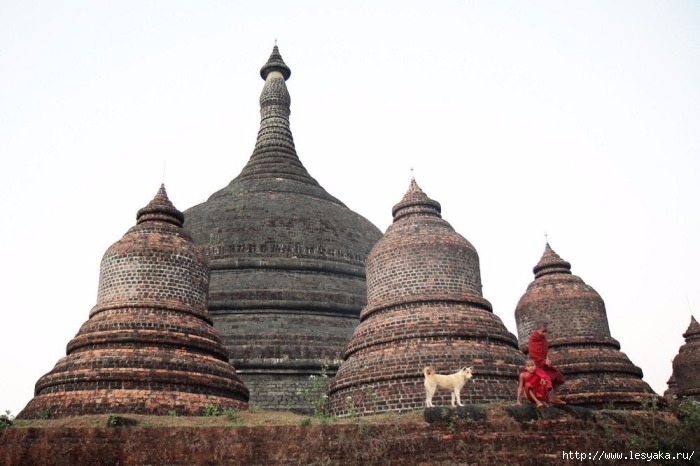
497, 440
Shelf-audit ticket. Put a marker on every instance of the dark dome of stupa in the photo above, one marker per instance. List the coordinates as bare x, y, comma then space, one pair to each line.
686, 364
287, 258
424, 307
597, 373
149, 346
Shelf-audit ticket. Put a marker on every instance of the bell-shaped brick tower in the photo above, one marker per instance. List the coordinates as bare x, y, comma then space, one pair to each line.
686, 364
287, 259
597, 373
424, 307
149, 346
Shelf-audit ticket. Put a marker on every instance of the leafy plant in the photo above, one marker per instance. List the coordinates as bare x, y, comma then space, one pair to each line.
233, 415
254, 407
6, 419
316, 393
688, 412
210, 410
650, 403
45, 413
172, 412
112, 420
351, 408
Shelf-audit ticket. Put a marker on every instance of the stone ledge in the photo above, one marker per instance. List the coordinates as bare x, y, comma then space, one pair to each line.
448, 413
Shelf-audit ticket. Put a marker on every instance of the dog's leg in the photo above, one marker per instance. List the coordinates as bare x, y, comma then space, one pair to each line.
459, 402
453, 398
430, 391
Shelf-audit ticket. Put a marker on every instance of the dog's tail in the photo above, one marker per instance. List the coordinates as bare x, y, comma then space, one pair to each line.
428, 370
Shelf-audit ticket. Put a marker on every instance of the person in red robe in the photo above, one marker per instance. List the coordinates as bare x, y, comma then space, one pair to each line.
537, 348
535, 384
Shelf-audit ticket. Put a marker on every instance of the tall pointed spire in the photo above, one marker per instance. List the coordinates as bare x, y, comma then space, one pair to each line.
288, 279
275, 157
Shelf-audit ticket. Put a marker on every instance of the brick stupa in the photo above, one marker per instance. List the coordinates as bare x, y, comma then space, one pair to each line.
686, 364
149, 346
287, 258
597, 373
670, 393
424, 307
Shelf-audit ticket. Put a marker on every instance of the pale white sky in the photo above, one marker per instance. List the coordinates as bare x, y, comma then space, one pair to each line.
575, 118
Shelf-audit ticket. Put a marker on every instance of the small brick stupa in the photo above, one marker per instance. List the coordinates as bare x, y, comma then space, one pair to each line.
424, 307
686, 364
670, 393
597, 373
287, 259
149, 346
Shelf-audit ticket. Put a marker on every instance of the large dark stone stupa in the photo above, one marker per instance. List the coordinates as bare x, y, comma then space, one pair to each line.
287, 259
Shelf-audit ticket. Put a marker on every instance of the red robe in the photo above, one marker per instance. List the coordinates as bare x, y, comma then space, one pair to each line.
532, 381
537, 348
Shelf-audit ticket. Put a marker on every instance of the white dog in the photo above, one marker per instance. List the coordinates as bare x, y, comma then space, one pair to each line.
453, 382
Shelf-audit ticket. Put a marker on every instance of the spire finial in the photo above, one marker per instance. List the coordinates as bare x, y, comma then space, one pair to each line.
546, 239
160, 209
415, 201
551, 263
275, 63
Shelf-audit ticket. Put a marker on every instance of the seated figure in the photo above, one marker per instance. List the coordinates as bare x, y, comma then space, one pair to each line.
537, 348
535, 384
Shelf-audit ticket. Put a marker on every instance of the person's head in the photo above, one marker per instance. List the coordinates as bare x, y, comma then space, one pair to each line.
530, 365
541, 327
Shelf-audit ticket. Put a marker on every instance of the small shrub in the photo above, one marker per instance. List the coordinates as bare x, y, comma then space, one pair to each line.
350, 406
688, 412
112, 420
6, 419
649, 403
45, 413
172, 412
306, 421
316, 393
210, 410
254, 408
233, 415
